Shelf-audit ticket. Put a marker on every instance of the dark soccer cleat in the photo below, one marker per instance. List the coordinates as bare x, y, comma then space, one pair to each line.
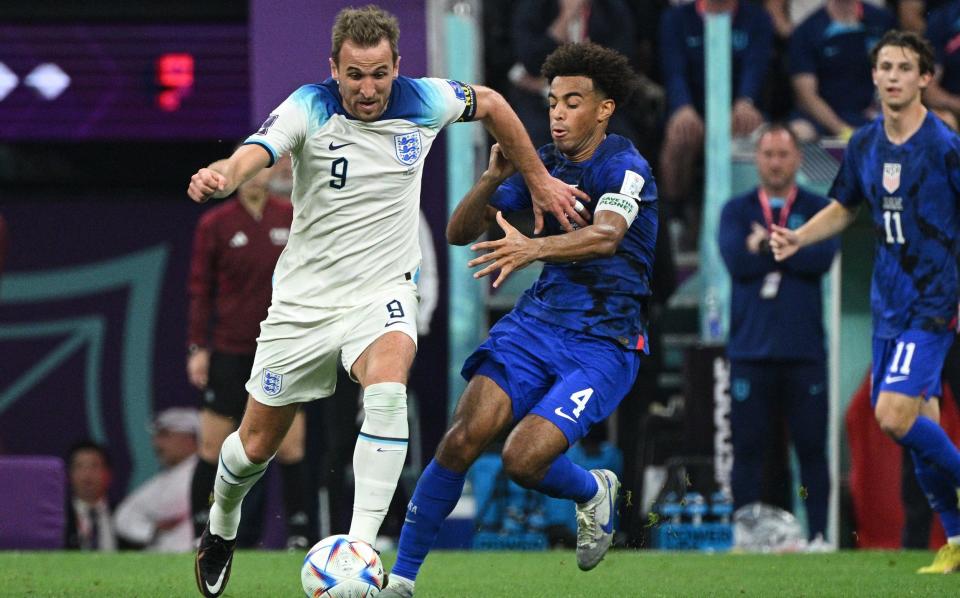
213, 563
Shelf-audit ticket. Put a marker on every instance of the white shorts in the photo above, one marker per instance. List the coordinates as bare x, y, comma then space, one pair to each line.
298, 348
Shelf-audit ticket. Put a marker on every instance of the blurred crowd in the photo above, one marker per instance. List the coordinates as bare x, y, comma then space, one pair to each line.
803, 62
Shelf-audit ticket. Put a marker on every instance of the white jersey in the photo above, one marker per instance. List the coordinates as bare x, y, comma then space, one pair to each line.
356, 187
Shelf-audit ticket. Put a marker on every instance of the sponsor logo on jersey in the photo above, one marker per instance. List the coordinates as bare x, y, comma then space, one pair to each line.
632, 184
891, 177
408, 147
271, 382
239, 239
279, 236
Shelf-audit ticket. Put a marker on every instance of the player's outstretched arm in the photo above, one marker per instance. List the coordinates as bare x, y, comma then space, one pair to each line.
550, 195
826, 223
221, 178
473, 214
515, 250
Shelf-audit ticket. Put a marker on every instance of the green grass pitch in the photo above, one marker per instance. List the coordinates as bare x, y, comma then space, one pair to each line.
551, 574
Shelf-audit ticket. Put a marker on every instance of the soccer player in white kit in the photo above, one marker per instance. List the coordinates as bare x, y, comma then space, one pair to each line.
345, 285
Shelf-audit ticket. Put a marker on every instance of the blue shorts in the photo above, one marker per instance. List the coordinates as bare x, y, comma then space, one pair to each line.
572, 379
909, 364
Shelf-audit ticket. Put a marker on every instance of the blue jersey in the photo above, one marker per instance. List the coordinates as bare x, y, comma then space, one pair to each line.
601, 296
912, 191
682, 58
838, 54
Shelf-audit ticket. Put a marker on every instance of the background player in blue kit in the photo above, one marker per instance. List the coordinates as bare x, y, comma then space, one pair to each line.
566, 355
906, 167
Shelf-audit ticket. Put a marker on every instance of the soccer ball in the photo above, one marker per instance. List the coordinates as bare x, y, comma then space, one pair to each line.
342, 566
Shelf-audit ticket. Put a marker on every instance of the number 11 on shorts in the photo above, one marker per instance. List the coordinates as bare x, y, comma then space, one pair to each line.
579, 399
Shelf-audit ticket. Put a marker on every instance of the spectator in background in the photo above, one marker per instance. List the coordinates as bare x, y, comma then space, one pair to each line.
89, 525
830, 68
943, 93
682, 64
539, 27
156, 516
236, 247
915, 15
777, 346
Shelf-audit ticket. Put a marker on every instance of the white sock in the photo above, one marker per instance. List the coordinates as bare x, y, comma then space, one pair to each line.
236, 474
378, 457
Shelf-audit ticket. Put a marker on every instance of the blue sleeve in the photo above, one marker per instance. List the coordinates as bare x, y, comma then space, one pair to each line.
733, 233
673, 60
802, 51
846, 187
512, 195
756, 58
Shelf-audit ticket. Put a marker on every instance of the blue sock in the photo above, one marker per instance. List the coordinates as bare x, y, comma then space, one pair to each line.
935, 447
438, 491
565, 479
941, 494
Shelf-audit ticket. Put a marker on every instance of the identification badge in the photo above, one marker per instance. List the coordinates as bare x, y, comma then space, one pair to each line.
771, 285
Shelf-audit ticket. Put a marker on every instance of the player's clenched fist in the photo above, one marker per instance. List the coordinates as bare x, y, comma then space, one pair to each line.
204, 184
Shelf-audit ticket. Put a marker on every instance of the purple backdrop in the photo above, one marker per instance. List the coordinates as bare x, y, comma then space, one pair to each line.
93, 298
114, 90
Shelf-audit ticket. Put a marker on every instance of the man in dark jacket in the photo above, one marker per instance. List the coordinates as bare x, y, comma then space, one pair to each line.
776, 348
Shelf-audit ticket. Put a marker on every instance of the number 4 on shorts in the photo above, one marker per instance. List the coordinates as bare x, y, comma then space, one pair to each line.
579, 399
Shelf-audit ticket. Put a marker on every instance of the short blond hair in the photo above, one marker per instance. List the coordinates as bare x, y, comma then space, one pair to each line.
365, 27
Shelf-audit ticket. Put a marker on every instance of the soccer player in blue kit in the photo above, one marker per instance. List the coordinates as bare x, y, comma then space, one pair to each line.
566, 355
906, 167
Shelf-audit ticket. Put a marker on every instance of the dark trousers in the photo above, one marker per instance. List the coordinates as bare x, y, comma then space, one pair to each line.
760, 389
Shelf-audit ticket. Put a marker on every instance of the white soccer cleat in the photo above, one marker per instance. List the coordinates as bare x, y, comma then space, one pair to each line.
398, 587
595, 521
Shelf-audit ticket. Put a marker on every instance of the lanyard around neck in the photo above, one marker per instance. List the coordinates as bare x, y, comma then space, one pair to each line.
768, 211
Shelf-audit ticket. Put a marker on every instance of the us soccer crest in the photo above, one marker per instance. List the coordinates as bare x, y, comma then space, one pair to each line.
891, 177
271, 382
408, 147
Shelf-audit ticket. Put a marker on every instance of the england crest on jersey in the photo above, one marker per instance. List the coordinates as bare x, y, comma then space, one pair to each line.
271, 382
408, 147
891, 177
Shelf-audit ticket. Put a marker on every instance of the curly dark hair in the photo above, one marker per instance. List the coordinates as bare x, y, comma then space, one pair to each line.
609, 70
